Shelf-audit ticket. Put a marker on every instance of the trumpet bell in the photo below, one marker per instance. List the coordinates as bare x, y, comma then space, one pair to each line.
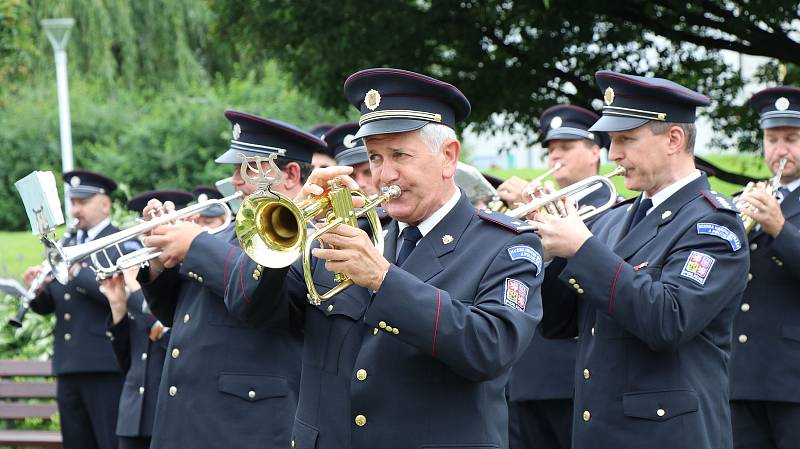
270, 229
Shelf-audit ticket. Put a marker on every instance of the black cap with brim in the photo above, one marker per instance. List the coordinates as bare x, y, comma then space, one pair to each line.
568, 122
205, 193
352, 156
345, 146
257, 136
180, 198
84, 184
778, 107
631, 101
395, 101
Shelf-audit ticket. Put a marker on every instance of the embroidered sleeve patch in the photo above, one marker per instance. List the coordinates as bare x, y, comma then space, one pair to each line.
697, 267
525, 252
721, 232
515, 294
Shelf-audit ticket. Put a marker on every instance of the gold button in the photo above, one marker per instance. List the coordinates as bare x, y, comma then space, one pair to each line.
144, 356
361, 420
361, 374
173, 390
753, 247
256, 275
576, 286
375, 331
592, 332
176, 352
292, 443
251, 394
109, 334
389, 328
200, 279
580, 291
661, 412
67, 296
778, 262
743, 338
141, 390
186, 318
586, 374
586, 415
749, 277
67, 316
67, 337
330, 307
395, 331
572, 281
745, 307
382, 324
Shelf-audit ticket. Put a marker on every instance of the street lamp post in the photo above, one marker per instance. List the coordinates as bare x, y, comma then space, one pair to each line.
58, 34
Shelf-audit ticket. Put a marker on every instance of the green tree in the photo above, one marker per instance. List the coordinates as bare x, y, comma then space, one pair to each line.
517, 58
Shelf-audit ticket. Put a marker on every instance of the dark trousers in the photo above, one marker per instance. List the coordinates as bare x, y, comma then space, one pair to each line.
134, 442
540, 424
87, 404
765, 425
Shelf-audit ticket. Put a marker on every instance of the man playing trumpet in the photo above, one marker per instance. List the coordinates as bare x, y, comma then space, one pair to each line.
765, 365
655, 284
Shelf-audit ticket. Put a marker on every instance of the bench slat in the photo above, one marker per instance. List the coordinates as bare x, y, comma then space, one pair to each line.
22, 411
43, 390
10, 368
28, 438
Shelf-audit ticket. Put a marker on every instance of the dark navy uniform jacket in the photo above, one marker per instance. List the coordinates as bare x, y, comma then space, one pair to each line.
765, 363
654, 310
141, 360
546, 369
424, 361
81, 341
225, 384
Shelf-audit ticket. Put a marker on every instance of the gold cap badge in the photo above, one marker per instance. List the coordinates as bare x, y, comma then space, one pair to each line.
608, 96
372, 100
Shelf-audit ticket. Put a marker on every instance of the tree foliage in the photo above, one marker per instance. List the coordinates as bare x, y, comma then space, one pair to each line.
517, 58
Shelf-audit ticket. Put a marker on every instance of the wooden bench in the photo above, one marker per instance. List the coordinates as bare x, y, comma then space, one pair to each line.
16, 404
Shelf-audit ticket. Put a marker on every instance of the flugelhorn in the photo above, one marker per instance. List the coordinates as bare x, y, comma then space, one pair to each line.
573, 189
771, 186
274, 231
61, 258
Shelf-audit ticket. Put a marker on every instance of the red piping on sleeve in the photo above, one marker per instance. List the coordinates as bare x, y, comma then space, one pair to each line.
613, 288
436, 325
225, 267
241, 283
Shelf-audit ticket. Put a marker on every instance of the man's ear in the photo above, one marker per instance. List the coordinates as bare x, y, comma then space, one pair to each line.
677, 140
450, 152
292, 176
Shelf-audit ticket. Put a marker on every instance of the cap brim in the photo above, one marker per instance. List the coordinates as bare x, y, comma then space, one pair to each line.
557, 134
231, 156
213, 211
353, 156
779, 122
77, 192
610, 123
389, 127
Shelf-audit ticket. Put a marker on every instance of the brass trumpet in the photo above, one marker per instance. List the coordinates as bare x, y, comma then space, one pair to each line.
60, 258
550, 201
771, 186
274, 231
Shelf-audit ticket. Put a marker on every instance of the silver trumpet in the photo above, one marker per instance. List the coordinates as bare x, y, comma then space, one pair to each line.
550, 202
61, 258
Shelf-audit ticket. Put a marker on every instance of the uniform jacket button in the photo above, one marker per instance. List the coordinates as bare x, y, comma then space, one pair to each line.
330, 307
743, 338
745, 307
361, 374
580, 291
395, 330
67, 316
292, 443
67, 296
749, 277
753, 247
173, 390
586, 373
389, 328
592, 332
382, 324
175, 353
144, 356
67, 337
141, 390
661, 412
186, 318
361, 420
586, 415
572, 281
251, 394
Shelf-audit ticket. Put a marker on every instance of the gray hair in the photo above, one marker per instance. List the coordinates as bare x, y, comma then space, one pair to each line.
689, 129
435, 135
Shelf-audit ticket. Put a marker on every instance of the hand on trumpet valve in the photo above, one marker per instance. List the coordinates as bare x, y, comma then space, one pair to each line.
173, 240
115, 292
562, 236
351, 252
764, 208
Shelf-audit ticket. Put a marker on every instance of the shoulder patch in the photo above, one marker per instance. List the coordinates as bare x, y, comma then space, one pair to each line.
721, 232
525, 252
517, 225
697, 267
515, 294
719, 201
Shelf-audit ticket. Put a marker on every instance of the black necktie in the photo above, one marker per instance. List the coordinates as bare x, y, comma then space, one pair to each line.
783, 192
641, 212
411, 236
81, 237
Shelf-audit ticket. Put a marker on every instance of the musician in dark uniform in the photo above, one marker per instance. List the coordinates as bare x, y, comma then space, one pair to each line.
211, 217
226, 383
540, 390
139, 340
417, 353
765, 363
88, 377
656, 282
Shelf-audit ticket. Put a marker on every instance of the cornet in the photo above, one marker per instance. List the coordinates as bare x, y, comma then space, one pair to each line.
274, 231
60, 258
771, 186
550, 201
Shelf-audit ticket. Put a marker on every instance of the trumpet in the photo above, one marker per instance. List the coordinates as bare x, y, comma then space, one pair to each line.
60, 258
550, 201
771, 186
273, 230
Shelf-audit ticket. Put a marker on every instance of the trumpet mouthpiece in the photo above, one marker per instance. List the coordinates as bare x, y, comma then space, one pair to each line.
392, 191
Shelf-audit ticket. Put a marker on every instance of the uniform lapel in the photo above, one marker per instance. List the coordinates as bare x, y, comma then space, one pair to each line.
648, 228
390, 242
424, 261
791, 204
